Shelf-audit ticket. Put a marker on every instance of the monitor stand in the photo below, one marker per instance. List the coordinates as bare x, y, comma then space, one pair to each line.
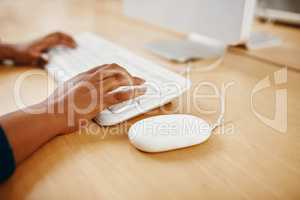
260, 40
192, 47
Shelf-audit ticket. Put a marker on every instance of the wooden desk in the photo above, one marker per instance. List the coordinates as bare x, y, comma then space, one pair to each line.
284, 55
253, 161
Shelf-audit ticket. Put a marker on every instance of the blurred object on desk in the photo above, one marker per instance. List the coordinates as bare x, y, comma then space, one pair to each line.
259, 40
284, 55
286, 11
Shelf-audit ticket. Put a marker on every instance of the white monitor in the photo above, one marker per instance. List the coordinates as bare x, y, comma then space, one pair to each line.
228, 21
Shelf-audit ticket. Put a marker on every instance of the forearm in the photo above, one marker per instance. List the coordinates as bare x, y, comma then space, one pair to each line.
27, 132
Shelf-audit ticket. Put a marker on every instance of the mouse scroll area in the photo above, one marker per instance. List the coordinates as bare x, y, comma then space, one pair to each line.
168, 132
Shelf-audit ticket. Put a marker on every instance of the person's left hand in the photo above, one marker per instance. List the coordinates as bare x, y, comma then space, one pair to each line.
31, 54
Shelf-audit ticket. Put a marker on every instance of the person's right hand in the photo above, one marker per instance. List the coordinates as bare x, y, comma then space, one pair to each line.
89, 93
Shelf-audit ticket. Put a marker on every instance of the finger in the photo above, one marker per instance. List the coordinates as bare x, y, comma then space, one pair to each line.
102, 75
106, 70
66, 42
98, 74
138, 80
93, 70
71, 42
113, 83
62, 38
84, 75
53, 40
47, 45
41, 62
118, 97
38, 60
112, 70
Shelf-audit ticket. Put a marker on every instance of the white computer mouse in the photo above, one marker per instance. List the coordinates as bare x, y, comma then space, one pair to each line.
168, 132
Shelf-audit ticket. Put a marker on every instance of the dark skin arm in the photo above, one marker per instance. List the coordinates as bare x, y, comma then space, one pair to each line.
31, 53
43, 126
24, 139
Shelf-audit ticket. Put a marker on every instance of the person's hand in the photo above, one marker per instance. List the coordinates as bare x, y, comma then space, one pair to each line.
31, 53
70, 106
84, 96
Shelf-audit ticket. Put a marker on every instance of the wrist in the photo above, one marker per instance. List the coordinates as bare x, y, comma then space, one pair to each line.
50, 120
56, 118
28, 129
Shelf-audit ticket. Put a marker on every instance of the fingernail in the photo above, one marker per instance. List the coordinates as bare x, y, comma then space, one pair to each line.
141, 90
140, 79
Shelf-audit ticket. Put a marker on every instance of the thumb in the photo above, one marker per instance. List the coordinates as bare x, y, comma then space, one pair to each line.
38, 59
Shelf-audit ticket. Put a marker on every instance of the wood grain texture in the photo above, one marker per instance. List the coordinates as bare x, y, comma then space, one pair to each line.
249, 161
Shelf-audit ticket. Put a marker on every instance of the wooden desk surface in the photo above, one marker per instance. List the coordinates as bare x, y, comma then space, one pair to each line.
284, 55
249, 161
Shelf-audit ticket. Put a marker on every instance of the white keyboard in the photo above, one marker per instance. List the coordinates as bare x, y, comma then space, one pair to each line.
162, 85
